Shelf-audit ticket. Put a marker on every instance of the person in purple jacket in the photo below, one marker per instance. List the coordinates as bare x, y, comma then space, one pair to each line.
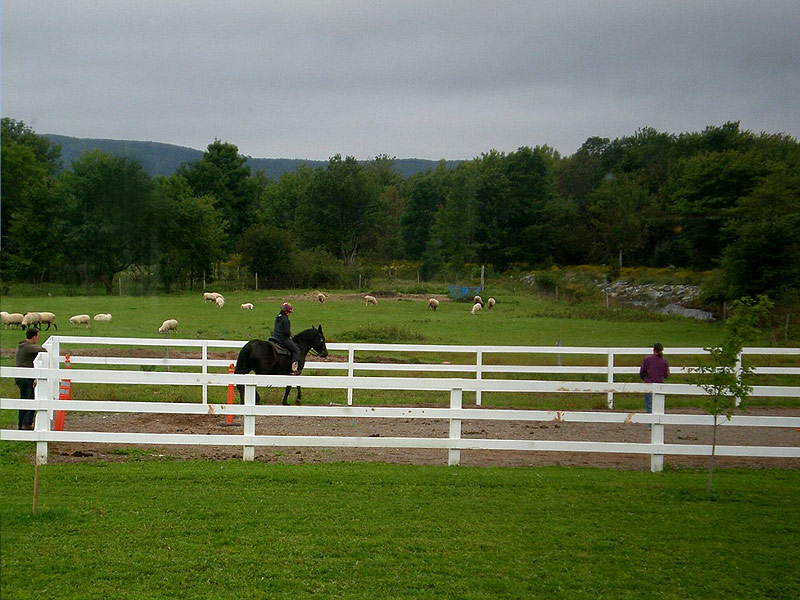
654, 369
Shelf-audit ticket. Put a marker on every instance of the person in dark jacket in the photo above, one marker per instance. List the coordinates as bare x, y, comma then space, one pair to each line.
654, 369
282, 333
27, 350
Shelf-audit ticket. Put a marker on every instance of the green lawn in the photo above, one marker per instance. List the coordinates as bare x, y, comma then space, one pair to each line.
248, 530
202, 529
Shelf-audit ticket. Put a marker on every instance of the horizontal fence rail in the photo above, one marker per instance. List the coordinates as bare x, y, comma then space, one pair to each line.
49, 373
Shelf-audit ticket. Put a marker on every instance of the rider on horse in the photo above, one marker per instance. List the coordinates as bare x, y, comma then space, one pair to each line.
282, 333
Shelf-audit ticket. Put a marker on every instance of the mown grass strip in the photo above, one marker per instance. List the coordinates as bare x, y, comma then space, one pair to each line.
198, 529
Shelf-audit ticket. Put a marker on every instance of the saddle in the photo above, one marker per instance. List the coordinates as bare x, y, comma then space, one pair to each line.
278, 348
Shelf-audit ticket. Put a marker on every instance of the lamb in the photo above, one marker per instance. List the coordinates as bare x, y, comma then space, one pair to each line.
80, 320
478, 300
104, 317
49, 318
209, 296
247, 306
433, 303
11, 319
168, 325
370, 300
476, 308
490, 303
31, 319
220, 301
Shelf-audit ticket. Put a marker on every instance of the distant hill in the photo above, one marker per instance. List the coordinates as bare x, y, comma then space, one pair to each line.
157, 158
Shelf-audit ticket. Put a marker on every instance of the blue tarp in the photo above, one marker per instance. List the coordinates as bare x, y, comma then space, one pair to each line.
458, 292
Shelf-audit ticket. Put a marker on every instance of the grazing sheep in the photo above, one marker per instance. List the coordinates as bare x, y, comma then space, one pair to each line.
209, 296
490, 303
478, 300
31, 319
220, 301
247, 306
11, 319
80, 320
476, 308
433, 303
321, 297
49, 318
103, 317
168, 325
370, 300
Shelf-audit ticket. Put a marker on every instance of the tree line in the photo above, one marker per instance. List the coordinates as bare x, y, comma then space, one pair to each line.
722, 199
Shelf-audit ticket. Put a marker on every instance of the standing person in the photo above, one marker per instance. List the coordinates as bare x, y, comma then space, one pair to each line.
654, 369
282, 332
26, 352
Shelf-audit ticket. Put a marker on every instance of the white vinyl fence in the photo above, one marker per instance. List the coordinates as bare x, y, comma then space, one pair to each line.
49, 374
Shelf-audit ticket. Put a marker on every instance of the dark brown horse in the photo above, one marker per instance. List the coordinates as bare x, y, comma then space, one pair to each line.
267, 358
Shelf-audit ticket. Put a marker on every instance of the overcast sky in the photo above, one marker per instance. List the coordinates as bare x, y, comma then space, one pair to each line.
427, 79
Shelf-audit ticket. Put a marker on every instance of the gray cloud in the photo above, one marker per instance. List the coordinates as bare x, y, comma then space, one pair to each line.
425, 79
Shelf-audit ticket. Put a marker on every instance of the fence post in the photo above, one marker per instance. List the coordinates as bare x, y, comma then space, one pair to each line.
738, 374
610, 377
454, 454
351, 358
249, 452
43, 391
478, 374
657, 434
204, 369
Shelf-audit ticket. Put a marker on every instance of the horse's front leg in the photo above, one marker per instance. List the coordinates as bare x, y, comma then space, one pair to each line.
286, 394
299, 395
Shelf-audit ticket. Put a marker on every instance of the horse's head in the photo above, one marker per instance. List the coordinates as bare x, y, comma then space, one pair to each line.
318, 343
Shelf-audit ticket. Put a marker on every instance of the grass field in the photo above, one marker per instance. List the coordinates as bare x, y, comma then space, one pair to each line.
236, 530
518, 319
203, 529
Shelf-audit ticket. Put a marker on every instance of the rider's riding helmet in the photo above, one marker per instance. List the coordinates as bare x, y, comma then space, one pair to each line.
286, 307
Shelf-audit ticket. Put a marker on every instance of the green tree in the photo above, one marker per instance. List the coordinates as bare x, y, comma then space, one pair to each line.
726, 381
281, 199
763, 256
343, 209
268, 251
705, 189
617, 208
189, 233
28, 163
425, 193
452, 236
110, 214
224, 174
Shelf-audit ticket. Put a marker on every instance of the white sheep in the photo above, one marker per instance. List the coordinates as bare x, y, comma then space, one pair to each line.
103, 317
433, 303
476, 308
31, 319
321, 297
220, 301
209, 296
49, 318
490, 303
478, 300
168, 325
11, 319
370, 300
247, 306
80, 320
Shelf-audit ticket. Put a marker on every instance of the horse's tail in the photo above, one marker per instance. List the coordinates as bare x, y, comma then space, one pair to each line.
243, 367
243, 360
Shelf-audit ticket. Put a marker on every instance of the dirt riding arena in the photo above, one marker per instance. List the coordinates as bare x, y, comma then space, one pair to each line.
368, 427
